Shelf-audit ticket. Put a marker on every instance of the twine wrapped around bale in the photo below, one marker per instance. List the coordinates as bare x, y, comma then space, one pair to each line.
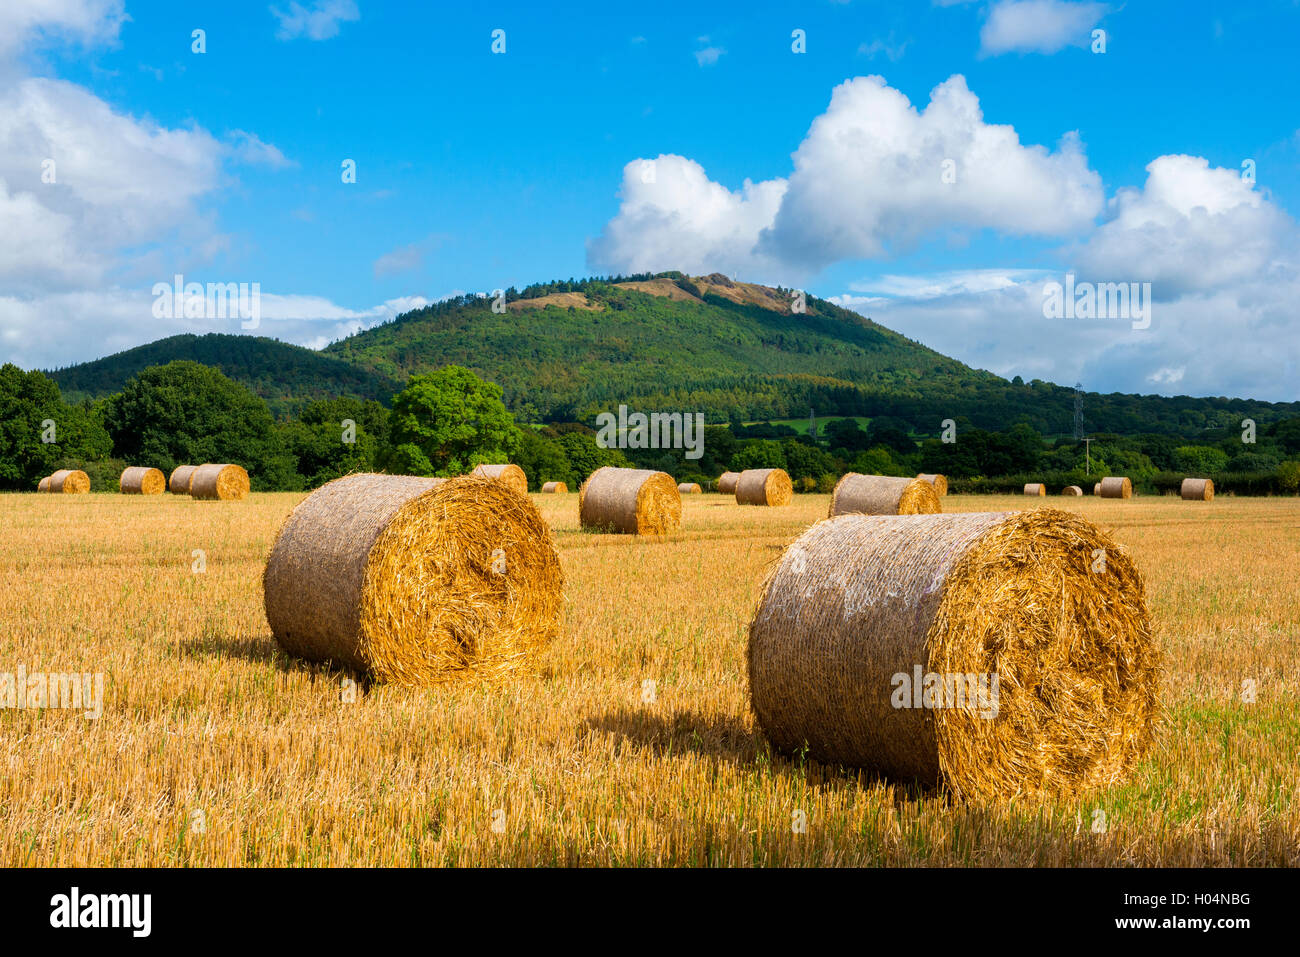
69, 482
226, 483
979, 651
1096, 489
1116, 487
415, 580
1035, 488
764, 487
940, 482
631, 501
43, 485
511, 476
884, 495
688, 488
1197, 490
727, 482
179, 481
140, 480
1072, 490
555, 488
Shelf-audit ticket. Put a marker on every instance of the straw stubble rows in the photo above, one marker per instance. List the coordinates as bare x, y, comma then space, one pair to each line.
634, 745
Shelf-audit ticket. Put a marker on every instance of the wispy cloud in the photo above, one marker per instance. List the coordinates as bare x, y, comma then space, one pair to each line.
319, 21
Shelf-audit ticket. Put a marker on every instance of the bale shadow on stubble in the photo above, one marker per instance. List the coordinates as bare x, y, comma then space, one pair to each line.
264, 651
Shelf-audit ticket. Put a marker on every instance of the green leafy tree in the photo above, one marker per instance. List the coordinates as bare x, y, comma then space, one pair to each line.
1288, 477
31, 411
335, 437
542, 459
759, 454
1202, 459
585, 455
448, 421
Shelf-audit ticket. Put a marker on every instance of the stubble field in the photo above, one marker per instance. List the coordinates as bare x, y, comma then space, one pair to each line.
633, 746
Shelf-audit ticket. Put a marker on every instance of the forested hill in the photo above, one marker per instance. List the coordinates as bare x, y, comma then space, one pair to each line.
286, 376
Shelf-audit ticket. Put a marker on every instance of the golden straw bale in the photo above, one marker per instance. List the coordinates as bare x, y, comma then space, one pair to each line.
1116, 487
43, 485
555, 488
980, 651
1096, 489
764, 487
1035, 488
727, 482
141, 480
688, 488
884, 495
1072, 490
415, 580
179, 482
512, 476
1197, 490
227, 483
940, 482
632, 501
69, 482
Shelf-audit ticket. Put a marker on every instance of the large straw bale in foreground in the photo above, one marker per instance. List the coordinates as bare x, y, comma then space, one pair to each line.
940, 482
688, 488
727, 483
555, 488
415, 580
632, 501
764, 487
512, 476
1035, 488
227, 483
861, 606
1197, 490
1116, 487
69, 482
141, 480
178, 483
1071, 490
884, 495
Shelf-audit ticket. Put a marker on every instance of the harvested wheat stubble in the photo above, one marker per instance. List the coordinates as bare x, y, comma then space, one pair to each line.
939, 482
511, 476
1113, 487
1096, 489
632, 501
859, 600
884, 495
43, 485
555, 488
141, 480
179, 482
727, 482
764, 487
227, 483
1197, 490
69, 482
1035, 488
1072, 490
688, 488
415, 580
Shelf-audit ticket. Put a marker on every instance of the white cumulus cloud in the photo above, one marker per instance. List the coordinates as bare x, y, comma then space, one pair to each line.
1038, 26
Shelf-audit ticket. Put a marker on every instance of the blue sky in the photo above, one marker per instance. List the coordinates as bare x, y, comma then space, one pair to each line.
478, 170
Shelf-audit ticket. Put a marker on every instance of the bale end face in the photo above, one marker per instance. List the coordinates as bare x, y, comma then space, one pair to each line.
771, 487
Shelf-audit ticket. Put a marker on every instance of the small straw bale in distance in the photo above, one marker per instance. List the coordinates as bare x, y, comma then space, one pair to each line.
43, 485
179, 481
861, 602
1096, 489
631, 501
512, 476
415, 580
1116, 487
1035, 488
555, 488
227, 483
940, 482
141, 480
1197, 490
764, 487
688, 488
727, 482
884, 495
1071, 490
69, 482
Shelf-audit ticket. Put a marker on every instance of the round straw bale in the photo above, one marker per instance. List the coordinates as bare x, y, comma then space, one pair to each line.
1072, 490
224, 482
555, 488
1096, 489
866, 623
1113, 487
512, 476
43, 485
415, 580
1197, 490
633, 501
1035, 488
179, 481
884, 495
141, 480
688, 488
764, 487
939, 482
727, 482
69, 482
